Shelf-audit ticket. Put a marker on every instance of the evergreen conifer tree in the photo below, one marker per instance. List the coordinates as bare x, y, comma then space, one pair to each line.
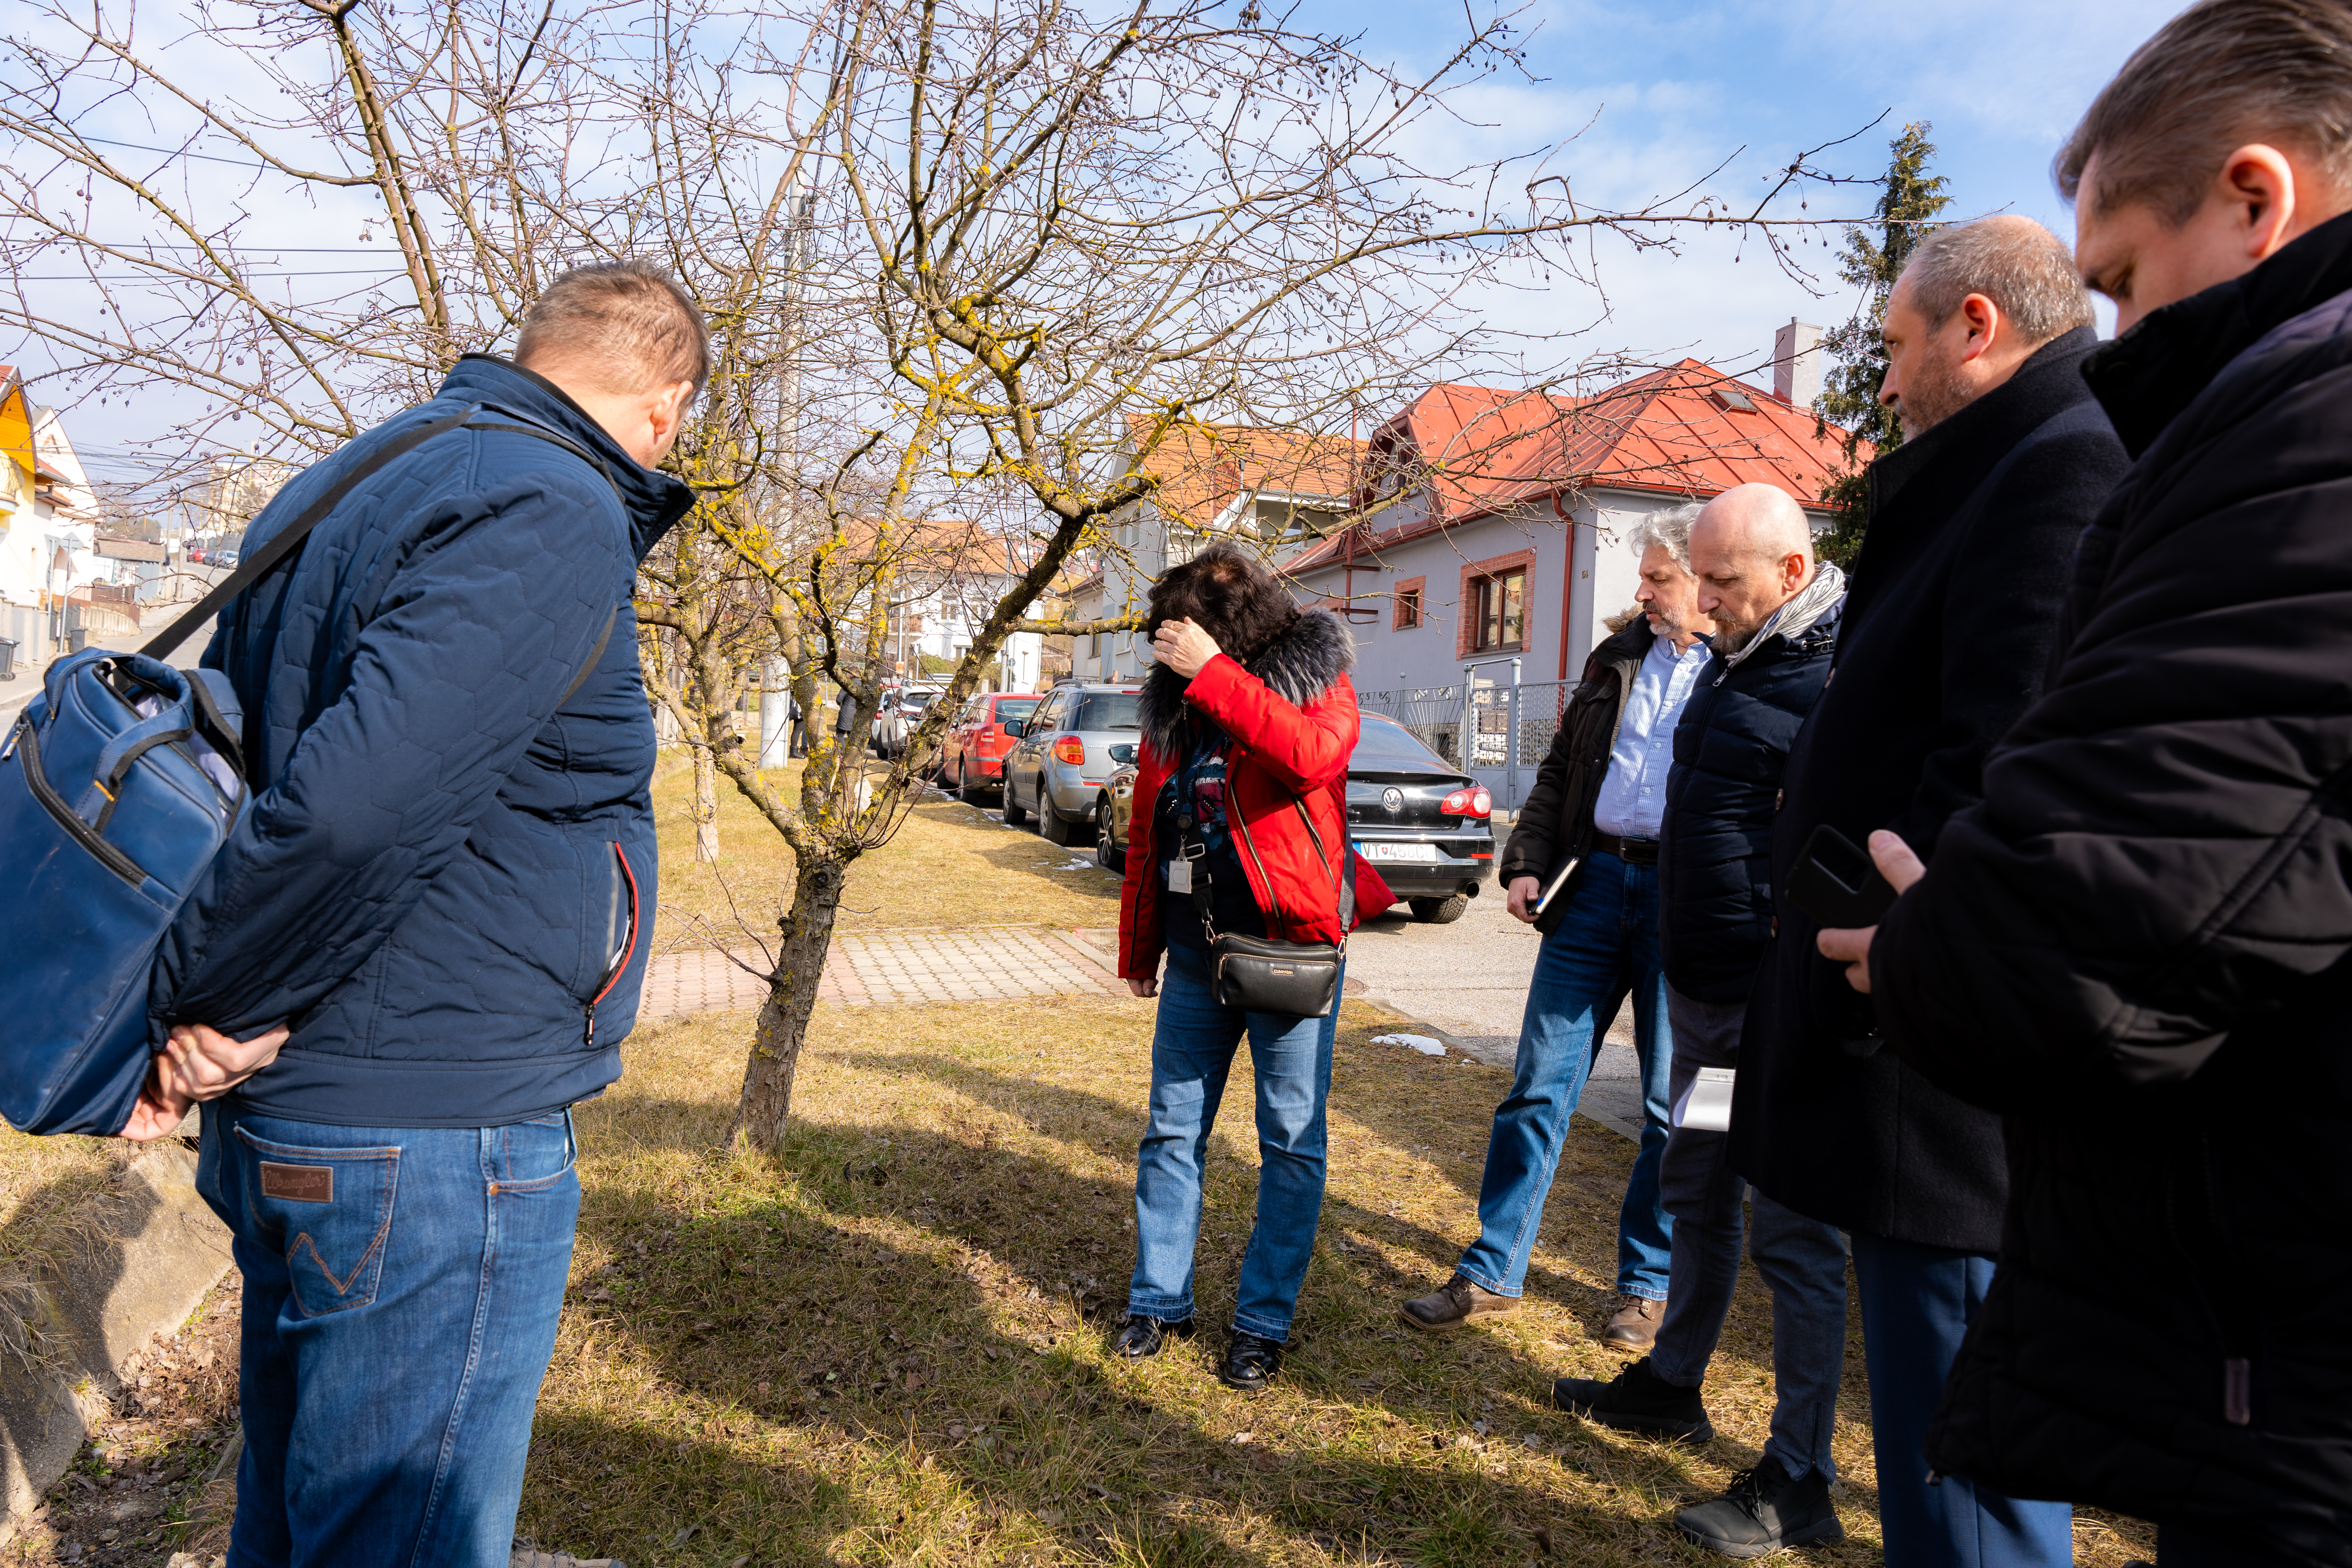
1907, 203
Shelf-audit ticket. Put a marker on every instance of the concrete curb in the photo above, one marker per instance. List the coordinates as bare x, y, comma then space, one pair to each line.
168, 1251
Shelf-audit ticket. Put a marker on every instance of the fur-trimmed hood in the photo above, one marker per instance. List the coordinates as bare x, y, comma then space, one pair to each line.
1299, 666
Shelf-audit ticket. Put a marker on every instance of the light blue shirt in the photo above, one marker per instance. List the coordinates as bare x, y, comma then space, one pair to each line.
1632, 801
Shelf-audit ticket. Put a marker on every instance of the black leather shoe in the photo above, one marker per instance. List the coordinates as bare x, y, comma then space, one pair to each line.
1251, 1363
1637, 1400
1141, 1336
1763, 1512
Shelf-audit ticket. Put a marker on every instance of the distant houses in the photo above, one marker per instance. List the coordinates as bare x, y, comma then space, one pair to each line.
1492, 527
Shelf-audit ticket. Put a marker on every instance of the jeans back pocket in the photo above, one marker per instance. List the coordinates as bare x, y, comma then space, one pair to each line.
328, 1212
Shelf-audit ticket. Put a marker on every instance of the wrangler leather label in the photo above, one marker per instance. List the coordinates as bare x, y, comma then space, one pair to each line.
298, 1184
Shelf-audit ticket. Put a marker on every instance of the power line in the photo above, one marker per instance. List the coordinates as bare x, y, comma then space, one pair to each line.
207, 282
279, 250
179, 152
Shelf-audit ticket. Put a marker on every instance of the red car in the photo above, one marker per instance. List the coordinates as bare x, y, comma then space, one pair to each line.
971, 758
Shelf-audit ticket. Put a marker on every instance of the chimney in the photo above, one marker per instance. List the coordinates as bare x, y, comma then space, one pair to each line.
1797, 364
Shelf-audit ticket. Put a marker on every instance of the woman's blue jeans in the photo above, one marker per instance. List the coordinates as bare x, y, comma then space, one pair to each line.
1192, 1054
402, 1288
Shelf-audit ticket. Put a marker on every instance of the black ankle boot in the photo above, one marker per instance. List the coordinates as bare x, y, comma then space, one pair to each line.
1141, 1336
1251, 1363
1637, 1400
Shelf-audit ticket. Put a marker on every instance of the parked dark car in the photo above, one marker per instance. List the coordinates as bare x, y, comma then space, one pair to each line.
971, 758
1426, 827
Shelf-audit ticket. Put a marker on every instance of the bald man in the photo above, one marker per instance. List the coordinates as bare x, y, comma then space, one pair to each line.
1945, 639
1776, 612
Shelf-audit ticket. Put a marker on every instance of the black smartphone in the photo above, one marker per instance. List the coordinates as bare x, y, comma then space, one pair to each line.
1837, 884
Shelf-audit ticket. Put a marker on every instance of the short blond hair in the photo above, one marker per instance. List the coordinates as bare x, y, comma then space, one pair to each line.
629, 324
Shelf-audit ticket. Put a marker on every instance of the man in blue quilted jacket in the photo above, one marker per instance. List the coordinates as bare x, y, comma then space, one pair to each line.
439, 902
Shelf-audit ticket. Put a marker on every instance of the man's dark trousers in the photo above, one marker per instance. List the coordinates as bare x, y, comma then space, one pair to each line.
1916, 1302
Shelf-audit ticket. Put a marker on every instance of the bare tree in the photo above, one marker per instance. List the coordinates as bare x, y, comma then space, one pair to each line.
995, 262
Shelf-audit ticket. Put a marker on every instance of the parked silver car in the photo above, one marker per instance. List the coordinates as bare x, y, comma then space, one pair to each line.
1062, 754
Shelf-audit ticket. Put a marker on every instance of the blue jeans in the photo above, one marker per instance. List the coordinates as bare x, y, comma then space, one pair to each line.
1801, 1259
1606, 945
402, 1287
1916, 1304
1192, 1053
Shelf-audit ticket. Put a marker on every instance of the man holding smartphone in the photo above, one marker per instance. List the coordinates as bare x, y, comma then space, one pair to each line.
1945, 639
1776, 611
1594, 816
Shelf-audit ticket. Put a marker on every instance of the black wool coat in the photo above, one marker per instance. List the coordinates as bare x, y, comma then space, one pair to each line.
2139, 946
1715, 865
1946, 638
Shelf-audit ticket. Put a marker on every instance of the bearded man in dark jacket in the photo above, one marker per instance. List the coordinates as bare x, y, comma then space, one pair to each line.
1947, 635
2139, 946
1776, 611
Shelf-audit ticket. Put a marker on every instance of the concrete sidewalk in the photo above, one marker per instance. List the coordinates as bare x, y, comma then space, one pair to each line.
896, 968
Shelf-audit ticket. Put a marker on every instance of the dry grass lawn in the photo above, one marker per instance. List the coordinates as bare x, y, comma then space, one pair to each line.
887, 1347
950, 866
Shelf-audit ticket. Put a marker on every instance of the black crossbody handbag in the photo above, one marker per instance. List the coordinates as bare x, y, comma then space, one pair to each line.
1263, 974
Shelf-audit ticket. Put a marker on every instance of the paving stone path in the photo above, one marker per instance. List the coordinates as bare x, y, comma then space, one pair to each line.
898, 967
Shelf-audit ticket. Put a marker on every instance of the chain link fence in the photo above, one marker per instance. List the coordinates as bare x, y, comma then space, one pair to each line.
1510, 726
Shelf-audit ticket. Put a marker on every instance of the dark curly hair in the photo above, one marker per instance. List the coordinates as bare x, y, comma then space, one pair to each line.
1228, 593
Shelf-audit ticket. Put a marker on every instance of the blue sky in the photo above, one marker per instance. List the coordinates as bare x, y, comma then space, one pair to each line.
1679, 86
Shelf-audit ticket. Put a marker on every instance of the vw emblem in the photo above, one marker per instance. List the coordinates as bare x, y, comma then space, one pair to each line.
1393, 799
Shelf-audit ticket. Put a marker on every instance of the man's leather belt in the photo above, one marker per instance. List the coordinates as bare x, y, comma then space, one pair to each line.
1633, 851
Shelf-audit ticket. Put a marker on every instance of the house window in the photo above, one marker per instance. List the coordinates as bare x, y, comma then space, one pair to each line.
1094, 648
1501, 611
1408, 604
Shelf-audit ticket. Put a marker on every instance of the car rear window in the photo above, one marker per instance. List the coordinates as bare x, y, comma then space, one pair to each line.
1384, 742
1015, 708
1107, 710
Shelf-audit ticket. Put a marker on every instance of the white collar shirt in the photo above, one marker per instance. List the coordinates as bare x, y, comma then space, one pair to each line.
1632, 800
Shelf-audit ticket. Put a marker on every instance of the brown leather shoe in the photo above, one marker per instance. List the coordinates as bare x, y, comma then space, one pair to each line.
1453, 1304
1635, 1325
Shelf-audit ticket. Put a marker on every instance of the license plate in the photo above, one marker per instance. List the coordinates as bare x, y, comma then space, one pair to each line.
1423, 852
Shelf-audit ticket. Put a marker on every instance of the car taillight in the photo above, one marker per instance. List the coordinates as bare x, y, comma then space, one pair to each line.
1467, 803
1071, 750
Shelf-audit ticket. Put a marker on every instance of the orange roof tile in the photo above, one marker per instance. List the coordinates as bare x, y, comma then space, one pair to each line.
1202, 467
1475, 450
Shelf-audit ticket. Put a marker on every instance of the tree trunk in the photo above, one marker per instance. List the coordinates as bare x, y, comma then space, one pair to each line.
767, 1102
706, 806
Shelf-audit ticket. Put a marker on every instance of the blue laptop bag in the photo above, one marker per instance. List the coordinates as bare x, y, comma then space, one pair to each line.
118, 786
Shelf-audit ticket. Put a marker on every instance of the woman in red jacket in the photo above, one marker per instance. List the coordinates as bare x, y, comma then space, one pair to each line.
1248, 714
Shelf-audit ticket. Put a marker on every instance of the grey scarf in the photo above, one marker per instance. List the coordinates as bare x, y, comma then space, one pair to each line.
1814, 600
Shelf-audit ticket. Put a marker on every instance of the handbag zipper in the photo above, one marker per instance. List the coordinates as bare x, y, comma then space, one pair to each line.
107, 855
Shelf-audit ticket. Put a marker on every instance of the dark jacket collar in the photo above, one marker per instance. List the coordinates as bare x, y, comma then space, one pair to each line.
1301, 665
1921, 485
655, 501
1979, 435
2149, 375
1628, 644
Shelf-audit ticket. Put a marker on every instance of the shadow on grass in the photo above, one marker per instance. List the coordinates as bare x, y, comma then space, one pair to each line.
955, 1376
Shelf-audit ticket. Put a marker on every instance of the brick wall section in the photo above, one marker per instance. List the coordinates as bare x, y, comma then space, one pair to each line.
1465, 633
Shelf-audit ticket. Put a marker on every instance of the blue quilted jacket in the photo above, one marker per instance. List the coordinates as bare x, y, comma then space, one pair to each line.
446, 884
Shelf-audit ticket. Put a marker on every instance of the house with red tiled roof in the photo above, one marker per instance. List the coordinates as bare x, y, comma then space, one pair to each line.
1494, 523
1270, 489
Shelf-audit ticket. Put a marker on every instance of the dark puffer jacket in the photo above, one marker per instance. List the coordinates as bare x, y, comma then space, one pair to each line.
1715, 863
1555, 822
1946, 640
448, 874
2139, 947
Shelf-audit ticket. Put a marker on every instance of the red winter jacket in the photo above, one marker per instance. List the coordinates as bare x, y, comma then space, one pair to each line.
1283, 752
